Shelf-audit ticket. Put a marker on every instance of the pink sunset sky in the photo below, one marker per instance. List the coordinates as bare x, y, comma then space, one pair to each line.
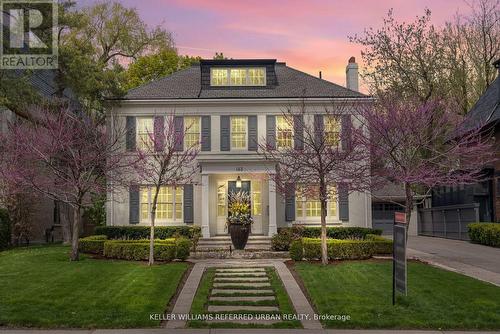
310, 35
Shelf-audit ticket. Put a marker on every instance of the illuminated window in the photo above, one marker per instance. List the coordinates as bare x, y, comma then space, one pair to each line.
218, 77
332, 130
308, 207
192, 132
145, 132
221, 199
257, 76
256, 198
332, 203
238, 132
284, 133
169, 203
238, 76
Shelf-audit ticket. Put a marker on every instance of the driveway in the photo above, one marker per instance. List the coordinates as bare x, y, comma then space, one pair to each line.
478, 261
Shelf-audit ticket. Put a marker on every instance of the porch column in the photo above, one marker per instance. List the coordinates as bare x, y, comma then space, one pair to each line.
205, 228
273, 229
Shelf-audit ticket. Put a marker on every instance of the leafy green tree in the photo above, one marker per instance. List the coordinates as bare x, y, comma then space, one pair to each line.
154, 66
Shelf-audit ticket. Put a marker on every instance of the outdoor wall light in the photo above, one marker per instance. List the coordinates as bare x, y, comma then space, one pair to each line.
238, 182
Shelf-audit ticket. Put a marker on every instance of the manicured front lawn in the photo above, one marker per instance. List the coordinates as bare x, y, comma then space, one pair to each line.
39, 287
436, 298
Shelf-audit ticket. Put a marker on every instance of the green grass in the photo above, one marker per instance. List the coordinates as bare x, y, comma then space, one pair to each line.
40, 287
437, 299
201, 301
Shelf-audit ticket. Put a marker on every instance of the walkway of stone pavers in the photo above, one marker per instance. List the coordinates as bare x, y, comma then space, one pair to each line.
250, 274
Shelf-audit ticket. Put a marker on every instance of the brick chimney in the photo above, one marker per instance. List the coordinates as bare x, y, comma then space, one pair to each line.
351, 74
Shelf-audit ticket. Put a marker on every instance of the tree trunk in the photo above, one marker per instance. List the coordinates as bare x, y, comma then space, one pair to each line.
408, 207
152, 239
323, 202
75, 234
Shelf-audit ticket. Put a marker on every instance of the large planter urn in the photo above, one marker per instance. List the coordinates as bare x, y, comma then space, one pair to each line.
239, 235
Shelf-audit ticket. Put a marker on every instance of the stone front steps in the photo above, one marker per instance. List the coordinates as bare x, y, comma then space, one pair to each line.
257, 291
223, 243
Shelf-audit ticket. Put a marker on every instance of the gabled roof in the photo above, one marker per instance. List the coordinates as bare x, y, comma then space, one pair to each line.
291, 83
487, 108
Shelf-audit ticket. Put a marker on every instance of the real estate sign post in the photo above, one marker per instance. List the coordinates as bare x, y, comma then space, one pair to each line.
399, 268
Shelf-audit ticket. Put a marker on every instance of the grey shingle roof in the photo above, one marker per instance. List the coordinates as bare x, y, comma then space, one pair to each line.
487, 108
186, 84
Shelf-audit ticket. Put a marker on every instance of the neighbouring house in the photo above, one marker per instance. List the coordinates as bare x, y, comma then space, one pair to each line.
231, 106
453, 207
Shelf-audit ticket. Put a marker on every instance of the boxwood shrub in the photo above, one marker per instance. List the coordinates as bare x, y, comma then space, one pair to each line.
93, 244
344, 249
297, 250
282, 240
381, 245
485, 233
137, 250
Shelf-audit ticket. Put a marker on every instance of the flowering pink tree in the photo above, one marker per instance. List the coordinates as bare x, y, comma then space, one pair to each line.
165, 159
65, 155
318, 155
420, 145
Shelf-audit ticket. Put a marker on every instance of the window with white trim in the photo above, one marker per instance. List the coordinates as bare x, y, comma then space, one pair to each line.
144, 132
221, 199
168, 205
192, 132
238, 132
284, 133
256, 198
238, 76
307, 206
332, 130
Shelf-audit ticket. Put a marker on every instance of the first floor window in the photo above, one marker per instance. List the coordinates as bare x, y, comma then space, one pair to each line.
238, 132
168, 205
284, 132
145, 130
308, 206
221, 199
192, 131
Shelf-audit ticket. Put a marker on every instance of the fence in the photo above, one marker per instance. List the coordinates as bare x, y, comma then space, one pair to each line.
448, 221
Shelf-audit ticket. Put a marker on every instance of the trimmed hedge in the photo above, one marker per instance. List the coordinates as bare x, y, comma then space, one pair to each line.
297, 250
381, 245
344, 249
93, 244
5, 229
142, 232
485, 233
285, 236
138, 250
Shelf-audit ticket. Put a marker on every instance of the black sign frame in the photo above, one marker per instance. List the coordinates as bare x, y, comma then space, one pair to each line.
399, 263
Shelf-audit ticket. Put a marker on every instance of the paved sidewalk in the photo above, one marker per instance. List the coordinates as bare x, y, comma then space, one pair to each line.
233, 331
297, 297
478, 261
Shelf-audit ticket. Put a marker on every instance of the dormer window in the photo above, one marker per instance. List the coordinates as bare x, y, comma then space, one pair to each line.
238, 76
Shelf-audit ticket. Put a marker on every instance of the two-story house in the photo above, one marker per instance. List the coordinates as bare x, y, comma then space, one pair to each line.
230, 106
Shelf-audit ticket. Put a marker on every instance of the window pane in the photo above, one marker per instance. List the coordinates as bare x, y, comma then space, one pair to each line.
284, 133
144, 132
256, 76
144, 200
313, 208
218, 77
332, 130
256, 198
238, 76
238, 132
332, 201
191, 131
221, 199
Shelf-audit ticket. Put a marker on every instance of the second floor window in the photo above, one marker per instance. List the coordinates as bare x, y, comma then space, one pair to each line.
192, 131
332, 130
238, 132
145, 130
284, 133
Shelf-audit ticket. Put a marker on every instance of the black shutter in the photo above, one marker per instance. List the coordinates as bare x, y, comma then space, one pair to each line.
343, 194
319, 129
134, 204
188, 204
252, 133
298, 132
271, 131
225, 133
130, 134
290, 202
179, 133
159, 133
205, 133
346, 132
